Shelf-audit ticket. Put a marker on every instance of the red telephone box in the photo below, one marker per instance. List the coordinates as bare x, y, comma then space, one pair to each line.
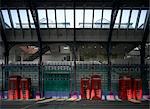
125, 88
25, 88
96, 92
85, 88
137, 89
13, 87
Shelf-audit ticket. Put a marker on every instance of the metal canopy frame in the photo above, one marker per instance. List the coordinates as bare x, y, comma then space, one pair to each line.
65, 17
79, 3
55, 18
29, 23
137, 20
36, 22
102, 16
11, 21
47, 18
129, 18
20, 23
93, 19
3, 34
146, 27
120, 19
83, 17
36, 55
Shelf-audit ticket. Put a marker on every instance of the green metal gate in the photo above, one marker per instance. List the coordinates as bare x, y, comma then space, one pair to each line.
57, 80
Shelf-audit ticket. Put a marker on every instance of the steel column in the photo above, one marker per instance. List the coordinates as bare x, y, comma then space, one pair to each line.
74, 51
37, 27
109, 44
6, 52
142, 54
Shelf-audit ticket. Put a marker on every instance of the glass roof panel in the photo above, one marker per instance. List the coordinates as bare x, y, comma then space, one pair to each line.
70, 18
88, 18
15, 18
117, 19
60, 15
51, 18
142, 19
106, 19
24, 19
97, 18
6, 18
67, 21
133, 19
31, 19
42, 18
124, 19
79, 18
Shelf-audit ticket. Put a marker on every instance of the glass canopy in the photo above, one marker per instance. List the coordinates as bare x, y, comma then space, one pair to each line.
84, 18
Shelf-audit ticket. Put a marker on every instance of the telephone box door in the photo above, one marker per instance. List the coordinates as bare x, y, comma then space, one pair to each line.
137, 89
129, 88
13, 87
125, 88
96, 87
85, 88
25, 88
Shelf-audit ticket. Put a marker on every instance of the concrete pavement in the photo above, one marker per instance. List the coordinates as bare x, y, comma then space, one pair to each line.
63, 104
